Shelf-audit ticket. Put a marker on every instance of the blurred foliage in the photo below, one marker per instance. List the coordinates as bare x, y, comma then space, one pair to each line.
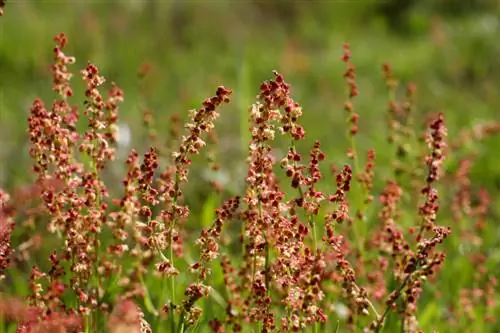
448, 48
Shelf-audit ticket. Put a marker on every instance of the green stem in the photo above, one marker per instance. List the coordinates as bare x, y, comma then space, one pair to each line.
97, 245
397, 293
172, 279
87, 323
315, 328
147, 297
172, 318
3, 325
315, 248
180, 328
172, 283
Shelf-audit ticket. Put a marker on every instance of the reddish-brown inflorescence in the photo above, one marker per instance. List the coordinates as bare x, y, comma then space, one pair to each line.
357, 296
263, 196
6, 227
168, 233
390, 240
77, 207
341, 213
109, 254
209, 244
435, 141
366, 178
462, 199
272, 225
425, 260
400, 125
350, 78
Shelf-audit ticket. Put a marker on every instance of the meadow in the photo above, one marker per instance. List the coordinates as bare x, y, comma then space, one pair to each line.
217, 166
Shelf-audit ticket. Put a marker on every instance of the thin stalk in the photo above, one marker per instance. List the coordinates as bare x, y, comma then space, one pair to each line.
171, 253
392, 132
147, 297
172, 318
87, 323
97, 245
381, 319
267, 254
315, 247
180, 328
267, 261
357, 172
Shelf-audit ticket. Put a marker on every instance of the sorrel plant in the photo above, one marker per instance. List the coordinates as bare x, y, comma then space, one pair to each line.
307, 258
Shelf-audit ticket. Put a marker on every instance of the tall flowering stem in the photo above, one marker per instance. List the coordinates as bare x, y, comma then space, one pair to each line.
293, 269
77, 208
105, 260
261, 191
425, 260
209, 247
356, 295
362, 176
401, 135
201, 121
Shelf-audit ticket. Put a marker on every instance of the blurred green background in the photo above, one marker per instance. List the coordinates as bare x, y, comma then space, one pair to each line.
448, 48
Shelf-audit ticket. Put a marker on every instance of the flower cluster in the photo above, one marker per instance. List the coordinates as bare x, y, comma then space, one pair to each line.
353, 91
311, 251
77, 205
6, 226
425, 260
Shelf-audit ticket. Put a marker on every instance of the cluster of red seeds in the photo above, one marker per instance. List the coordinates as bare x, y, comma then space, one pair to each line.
285, 265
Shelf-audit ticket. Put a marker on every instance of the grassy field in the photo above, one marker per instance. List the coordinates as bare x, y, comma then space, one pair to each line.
168, 57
